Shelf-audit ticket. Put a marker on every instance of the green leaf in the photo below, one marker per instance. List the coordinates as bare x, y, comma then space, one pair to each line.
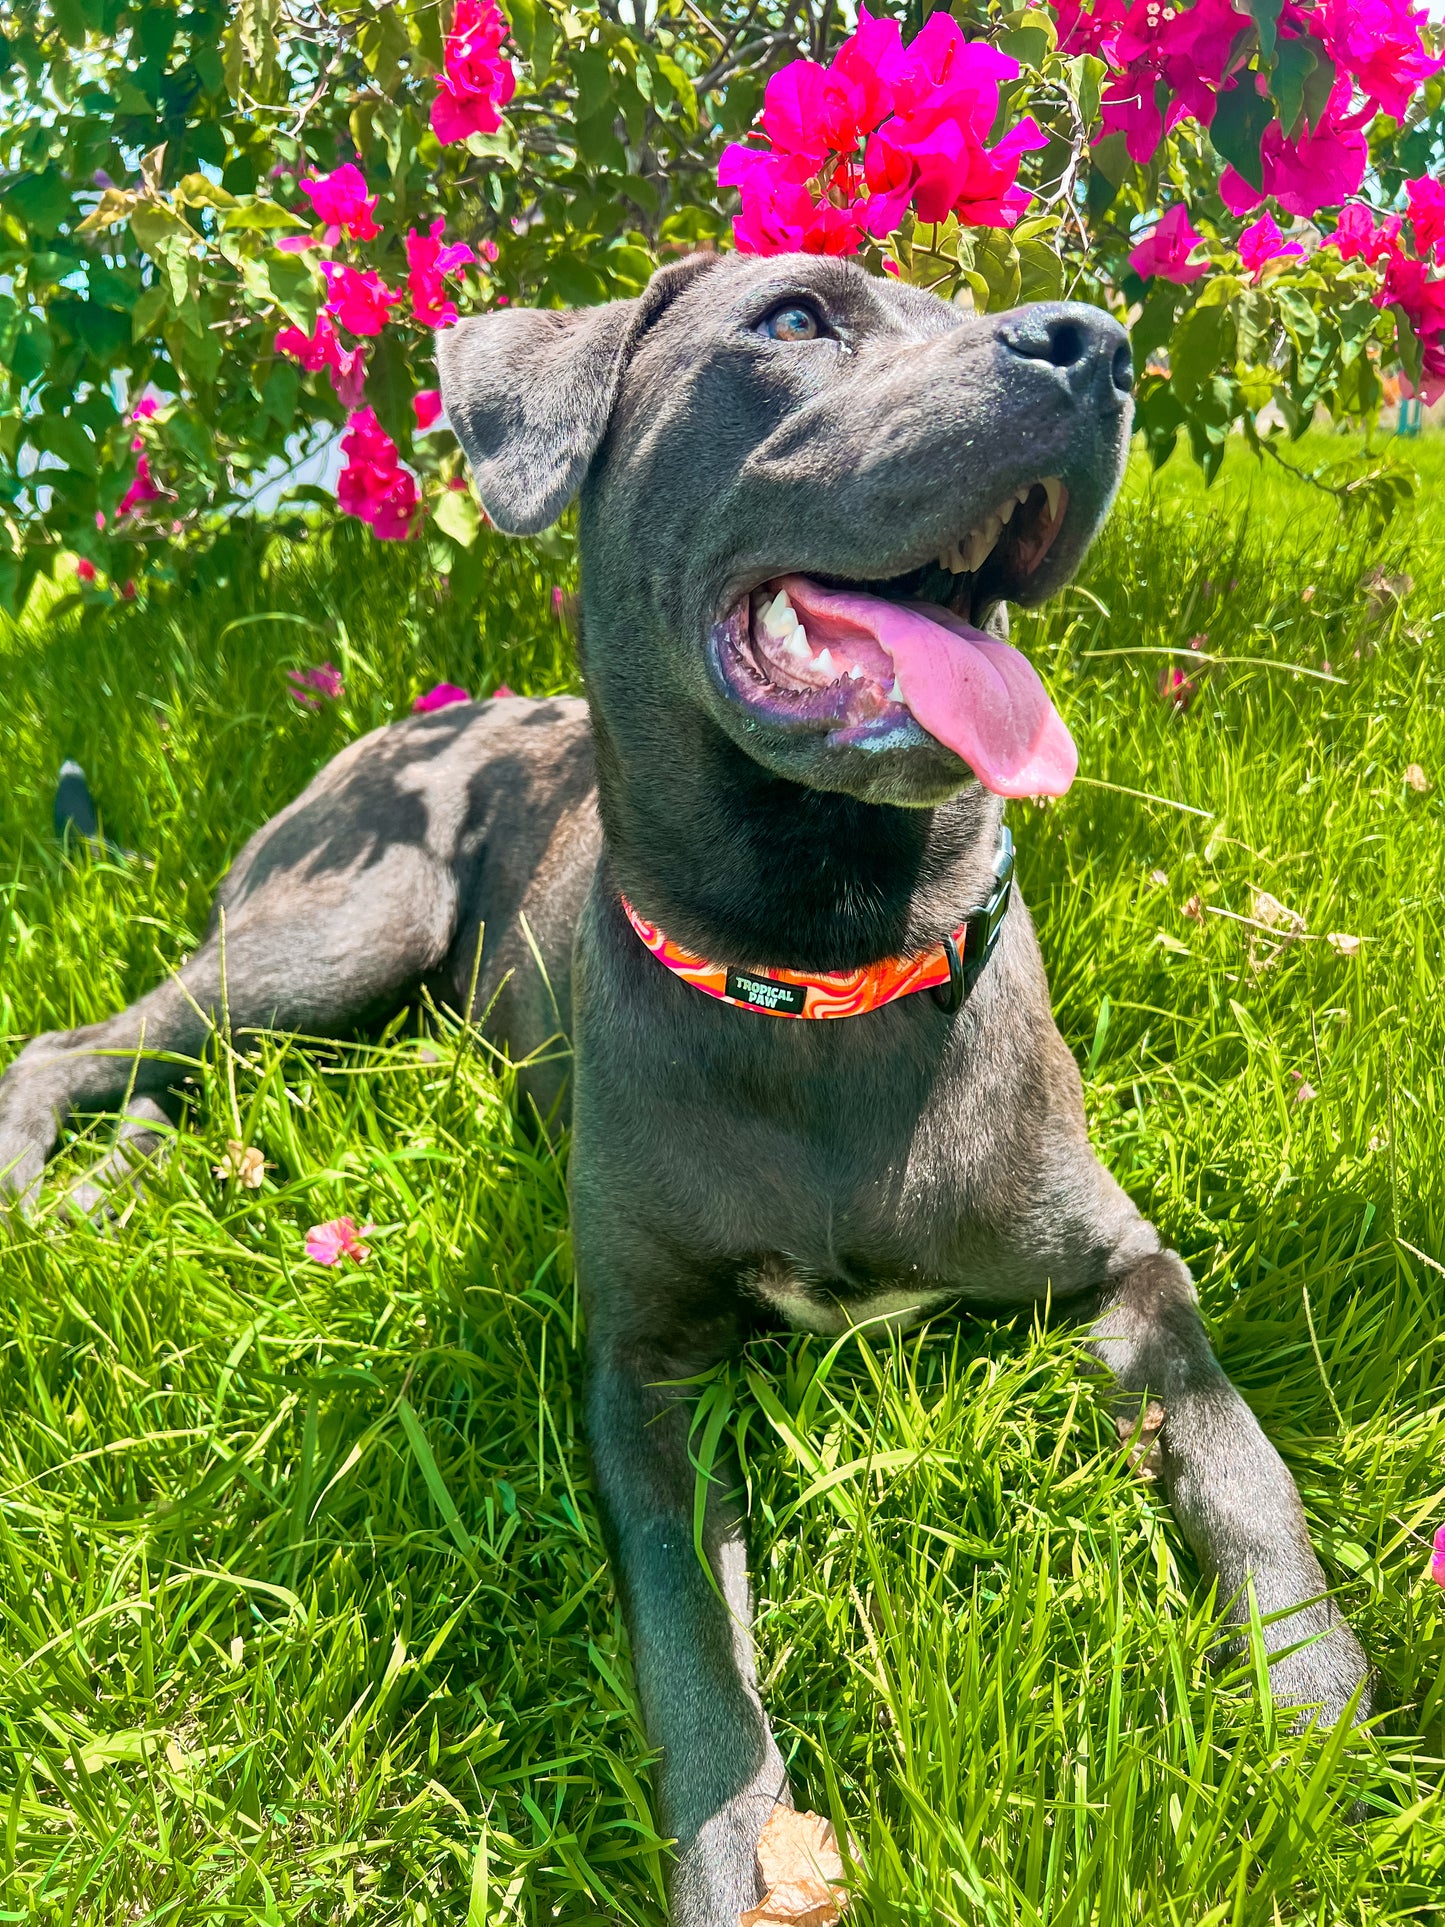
1203, 341
1319, 85
42, 201
1155, 323
456, 515
1294, 62
598, 144
1238, 127
594, 78
1041, 272
576, 284
33, 348
104, 331
1265, 14
522, 15
281, 392
681, 87
501, 146
62, 437
198, 190
255, 211
996, 263
296, 288
389, 387
151, 304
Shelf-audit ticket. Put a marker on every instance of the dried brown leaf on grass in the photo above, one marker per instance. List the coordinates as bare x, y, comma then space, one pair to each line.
1267, 909
802, 1873
244, 1163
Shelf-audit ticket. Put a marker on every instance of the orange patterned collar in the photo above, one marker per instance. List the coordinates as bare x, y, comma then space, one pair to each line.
949, 969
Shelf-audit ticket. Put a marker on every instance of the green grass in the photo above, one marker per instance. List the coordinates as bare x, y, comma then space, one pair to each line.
303, 1612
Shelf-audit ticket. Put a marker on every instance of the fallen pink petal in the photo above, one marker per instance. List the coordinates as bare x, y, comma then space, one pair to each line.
308, 685
440, 697
502, 690
1177, 689
338, 1238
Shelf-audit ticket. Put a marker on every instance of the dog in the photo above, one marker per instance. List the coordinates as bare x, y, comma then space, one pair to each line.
807, 496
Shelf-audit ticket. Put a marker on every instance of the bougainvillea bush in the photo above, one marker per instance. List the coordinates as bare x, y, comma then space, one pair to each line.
228, 234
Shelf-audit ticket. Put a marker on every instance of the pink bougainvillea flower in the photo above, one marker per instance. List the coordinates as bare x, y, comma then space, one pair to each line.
1359, 238
358, 297
300, 243
373, 485
317, 350
341, 201
309, 685
488, 250
780, 214
558, 600
322, 349
1427, 218
1262, 243
427, 262
427, 406
348, 378
1322, 166
884, 127
477, 78
85, 568
141, 490
338, 1238
1166, 250
144, 408
127, 591
1377, 43
1437, 1557
441, 697
502, 690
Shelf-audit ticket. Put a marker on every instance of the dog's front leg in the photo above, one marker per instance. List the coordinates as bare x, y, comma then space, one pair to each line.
1230, 1490
720, 1774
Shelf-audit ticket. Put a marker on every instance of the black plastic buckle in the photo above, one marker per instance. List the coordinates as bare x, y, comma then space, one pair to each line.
981, 932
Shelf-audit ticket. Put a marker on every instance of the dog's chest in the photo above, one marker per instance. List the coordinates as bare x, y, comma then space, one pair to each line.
829, 1310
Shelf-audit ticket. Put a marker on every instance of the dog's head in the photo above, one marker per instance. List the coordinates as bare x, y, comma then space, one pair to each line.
807, 496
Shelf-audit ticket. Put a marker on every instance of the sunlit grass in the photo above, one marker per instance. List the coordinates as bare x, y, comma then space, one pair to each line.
303, 1611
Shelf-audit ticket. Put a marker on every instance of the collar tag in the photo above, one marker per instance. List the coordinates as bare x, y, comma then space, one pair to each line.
766, 993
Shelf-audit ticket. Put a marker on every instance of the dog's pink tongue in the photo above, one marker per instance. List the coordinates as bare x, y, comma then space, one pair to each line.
973, 692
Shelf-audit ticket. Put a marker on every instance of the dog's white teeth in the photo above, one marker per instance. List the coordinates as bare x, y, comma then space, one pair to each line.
824, 661
1053, 492
1005, 514
796, 644
779, 619
855, 674
1023, 494
977, 545
895, 694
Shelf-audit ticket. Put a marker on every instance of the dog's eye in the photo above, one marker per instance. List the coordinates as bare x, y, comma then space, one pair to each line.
792, 323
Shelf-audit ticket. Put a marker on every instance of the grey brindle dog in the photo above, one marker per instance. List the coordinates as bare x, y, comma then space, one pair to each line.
743, 423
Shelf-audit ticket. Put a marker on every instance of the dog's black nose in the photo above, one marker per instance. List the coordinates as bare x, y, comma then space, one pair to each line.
1087, 346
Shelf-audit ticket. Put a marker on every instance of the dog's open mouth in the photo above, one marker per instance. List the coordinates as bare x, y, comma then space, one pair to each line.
863, 662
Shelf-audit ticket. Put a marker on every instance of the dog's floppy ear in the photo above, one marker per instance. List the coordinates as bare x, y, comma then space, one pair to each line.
530, 391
